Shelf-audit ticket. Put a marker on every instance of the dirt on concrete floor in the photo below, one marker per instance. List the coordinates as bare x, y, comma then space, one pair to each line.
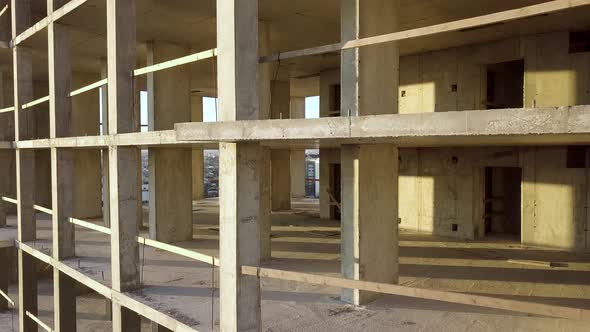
302, 242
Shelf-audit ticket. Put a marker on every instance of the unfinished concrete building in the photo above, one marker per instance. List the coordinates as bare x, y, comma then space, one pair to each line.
454, 173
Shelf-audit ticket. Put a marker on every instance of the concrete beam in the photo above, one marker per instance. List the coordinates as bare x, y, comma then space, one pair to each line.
553, 125
239, 171
123, 161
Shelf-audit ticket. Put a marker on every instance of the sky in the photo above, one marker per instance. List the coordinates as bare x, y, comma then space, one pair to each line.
312, 109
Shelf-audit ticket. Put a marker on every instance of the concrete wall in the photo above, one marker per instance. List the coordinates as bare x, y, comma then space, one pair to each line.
553, 77
442, 187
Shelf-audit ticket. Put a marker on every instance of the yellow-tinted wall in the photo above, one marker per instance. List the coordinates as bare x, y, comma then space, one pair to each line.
437, 190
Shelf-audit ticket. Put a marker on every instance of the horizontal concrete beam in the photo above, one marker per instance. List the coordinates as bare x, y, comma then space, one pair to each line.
543, 126
558, 125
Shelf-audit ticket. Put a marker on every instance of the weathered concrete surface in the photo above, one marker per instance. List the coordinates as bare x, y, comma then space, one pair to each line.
280, 160
87, 163
556, 125
369, 217
198, 171
169, 101
298, 171
281, 179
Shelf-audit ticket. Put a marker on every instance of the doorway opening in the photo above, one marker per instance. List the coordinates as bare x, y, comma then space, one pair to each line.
505, 85
502, 201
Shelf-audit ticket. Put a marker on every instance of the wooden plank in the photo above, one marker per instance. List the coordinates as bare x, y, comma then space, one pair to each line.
110, 294
43, 209
71, 272
39, 322
469, 23
43, 23
7, 298
4, 9
35, 102
89, 87
179, 251
421, 293
176, 62
10, 200
89, 225
7, 109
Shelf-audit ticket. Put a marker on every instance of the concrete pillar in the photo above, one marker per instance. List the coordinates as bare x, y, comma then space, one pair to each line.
62, 169
87, 162
297, 155
170, 169
369, 86
280, 160
198, 161
369, 217
264, 81
6, 135
329, 84
123, 161
281, 179
104, 152
25, 165
239, 171
40, 114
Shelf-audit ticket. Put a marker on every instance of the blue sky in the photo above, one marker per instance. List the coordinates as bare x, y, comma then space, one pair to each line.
312, 108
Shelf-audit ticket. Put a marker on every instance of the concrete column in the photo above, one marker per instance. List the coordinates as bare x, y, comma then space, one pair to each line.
104, 153
198, 161
264, 81
329, 83
40, 113
369, 175
6, 135
62, 169
25, 165
87, 162
280, 160
170, 169
369, 217
123, 161
239, 171
297, 155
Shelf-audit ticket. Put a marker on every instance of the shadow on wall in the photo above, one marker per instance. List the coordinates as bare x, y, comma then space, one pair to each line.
553, 72
442, 192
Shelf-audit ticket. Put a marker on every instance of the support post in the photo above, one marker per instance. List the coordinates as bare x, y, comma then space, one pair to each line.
170, 204
298, 155
264, 80
24, 125
198, 159
123, 161
62, 162
239, 199
280, 159
369, 173
104, 152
